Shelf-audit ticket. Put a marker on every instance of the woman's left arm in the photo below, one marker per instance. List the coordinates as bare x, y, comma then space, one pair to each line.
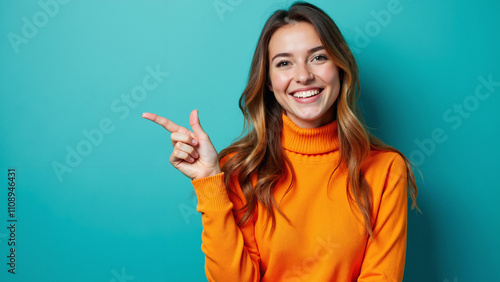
385, 255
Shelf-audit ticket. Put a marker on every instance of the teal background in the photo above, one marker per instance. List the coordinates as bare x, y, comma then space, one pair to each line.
124, 214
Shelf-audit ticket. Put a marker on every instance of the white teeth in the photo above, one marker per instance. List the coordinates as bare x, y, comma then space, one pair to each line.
305, 94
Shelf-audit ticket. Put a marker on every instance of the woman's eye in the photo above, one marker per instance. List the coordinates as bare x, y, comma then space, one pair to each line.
282, 64
320, 58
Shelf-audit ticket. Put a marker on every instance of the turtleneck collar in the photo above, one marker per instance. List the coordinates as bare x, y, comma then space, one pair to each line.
309, 141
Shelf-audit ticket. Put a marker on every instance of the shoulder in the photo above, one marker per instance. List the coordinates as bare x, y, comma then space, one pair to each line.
381, 167
382, 160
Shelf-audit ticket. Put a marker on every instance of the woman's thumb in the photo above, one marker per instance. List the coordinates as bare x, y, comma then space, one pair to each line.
194, 120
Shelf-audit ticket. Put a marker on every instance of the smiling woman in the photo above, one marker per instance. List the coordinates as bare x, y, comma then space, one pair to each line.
304, 80
308, 194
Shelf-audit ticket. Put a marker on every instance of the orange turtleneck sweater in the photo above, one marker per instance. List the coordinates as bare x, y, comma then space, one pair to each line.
326, 239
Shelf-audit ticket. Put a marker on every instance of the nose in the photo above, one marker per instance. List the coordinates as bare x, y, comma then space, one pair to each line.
303, 74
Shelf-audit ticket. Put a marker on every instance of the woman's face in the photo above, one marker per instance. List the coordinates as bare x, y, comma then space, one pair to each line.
304, 79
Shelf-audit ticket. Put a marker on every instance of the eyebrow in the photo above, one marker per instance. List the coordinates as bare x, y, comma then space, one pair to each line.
315, 49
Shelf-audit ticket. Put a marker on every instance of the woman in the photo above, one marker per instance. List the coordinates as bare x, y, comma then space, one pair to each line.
308, 194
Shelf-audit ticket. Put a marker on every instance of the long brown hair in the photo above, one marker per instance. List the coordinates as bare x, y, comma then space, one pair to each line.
259, 150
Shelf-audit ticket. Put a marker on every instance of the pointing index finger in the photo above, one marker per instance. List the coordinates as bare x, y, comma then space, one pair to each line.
166, 123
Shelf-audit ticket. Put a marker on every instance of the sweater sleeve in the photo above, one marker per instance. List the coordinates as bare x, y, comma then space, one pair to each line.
231, 252
385, 255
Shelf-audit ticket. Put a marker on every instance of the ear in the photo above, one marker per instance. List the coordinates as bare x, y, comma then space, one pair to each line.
269, 85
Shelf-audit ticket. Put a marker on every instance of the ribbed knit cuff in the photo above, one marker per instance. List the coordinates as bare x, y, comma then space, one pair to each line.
211, 193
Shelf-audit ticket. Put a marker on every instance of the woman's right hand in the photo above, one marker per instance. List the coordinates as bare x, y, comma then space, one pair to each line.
194, 154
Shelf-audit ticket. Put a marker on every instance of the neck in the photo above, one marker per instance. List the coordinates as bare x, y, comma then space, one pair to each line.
318, 140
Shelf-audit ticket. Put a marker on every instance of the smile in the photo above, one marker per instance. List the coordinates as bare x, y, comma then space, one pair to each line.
306, 94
